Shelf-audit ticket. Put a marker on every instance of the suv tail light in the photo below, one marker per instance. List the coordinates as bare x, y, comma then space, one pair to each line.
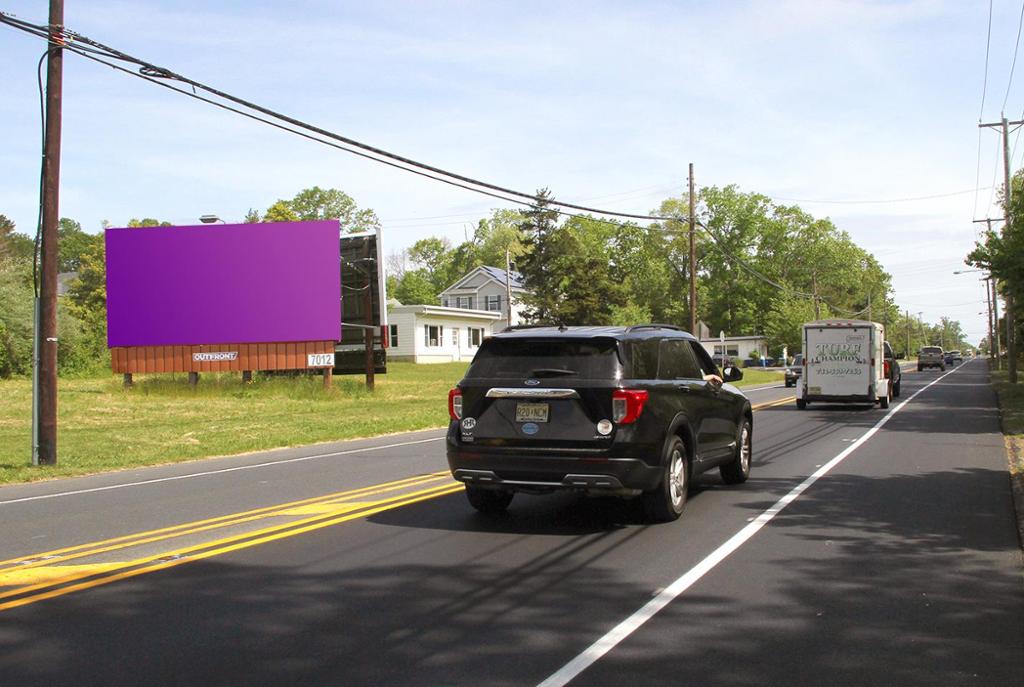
888, 370
627, 404
455, 404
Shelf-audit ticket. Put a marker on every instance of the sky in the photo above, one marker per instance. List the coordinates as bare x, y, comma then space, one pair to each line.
847, 109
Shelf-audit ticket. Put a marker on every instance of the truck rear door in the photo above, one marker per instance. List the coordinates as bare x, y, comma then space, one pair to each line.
838, 361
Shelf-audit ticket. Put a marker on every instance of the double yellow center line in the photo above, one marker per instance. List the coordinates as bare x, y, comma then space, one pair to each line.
49, 574
46, 575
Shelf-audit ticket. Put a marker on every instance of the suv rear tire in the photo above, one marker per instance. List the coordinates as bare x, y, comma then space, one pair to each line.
665, 502
489, 501
738, 470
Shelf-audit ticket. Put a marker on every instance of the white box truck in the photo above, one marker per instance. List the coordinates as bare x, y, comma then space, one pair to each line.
844, 362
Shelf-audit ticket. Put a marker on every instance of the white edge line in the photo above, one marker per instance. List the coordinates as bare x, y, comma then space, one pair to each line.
206, 473
628, 626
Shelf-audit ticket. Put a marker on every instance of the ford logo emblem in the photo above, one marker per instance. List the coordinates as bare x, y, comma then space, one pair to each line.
532, 382
531, 428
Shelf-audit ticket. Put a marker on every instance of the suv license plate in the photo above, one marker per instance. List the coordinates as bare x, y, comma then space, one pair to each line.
531, 412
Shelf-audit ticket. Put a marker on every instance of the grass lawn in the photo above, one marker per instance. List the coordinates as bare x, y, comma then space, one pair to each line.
102, 426
1011, 406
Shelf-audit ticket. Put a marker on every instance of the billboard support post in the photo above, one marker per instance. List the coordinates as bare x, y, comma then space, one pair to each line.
368, 309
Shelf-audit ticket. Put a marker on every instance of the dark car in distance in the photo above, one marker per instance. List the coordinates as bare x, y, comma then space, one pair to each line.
623, 411
931, 356
892, 369
792, 374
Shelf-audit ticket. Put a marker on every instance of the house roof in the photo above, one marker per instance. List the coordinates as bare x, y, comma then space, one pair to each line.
715, 339
499, 275
442, 311
495, 274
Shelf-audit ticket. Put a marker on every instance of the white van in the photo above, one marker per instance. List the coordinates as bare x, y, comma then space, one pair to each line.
844, 362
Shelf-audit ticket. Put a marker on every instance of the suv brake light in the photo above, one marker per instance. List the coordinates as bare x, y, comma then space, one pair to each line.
888, 369
455, 404
627, 404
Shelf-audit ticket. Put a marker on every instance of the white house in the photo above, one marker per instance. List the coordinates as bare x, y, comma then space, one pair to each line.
485, 288
436, 334
738, 348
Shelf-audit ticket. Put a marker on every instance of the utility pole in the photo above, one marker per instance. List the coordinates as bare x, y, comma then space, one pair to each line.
817, 305
693, 257
993, 306
1011, 347
45, 441
908, 334
508, 282
988, 299
995, 322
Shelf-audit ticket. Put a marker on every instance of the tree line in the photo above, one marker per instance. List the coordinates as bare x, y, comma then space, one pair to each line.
1000, 253
82, 311
762, 268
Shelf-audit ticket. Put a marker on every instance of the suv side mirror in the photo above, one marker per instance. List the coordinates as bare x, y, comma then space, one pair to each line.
732, 374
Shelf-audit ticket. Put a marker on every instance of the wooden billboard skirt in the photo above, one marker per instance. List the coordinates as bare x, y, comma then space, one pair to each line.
292, 355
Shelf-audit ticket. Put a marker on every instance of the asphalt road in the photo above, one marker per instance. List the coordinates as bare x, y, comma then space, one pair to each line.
892, 558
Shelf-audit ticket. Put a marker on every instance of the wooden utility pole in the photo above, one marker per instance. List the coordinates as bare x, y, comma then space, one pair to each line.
908, 335
817, 305
693, 258
988, 299
1011, 347
995, 322
368, 306
46, 328
508, 282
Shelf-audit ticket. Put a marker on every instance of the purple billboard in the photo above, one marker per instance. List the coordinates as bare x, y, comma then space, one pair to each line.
223, 283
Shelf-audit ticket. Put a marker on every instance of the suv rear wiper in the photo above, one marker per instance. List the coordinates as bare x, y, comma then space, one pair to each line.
552, 372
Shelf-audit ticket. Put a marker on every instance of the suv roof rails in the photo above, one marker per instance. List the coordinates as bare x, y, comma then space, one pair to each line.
654, 326
517, 327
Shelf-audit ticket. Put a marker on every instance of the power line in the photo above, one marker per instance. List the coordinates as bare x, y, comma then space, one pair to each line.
95, 51
984, 83
886, 200
1013, 64
152, 72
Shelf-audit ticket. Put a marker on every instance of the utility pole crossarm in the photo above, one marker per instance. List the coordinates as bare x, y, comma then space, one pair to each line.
993, 125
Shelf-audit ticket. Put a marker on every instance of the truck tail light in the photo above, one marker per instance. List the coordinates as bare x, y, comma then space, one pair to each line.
627, 404
385, 340
455, 404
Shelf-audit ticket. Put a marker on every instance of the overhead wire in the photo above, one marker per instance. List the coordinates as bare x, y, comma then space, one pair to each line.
988, 43
880, 201
1013, 64
95, 51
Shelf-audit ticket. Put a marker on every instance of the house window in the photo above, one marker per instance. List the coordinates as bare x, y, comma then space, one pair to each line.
731, 350
465, 302
444, 302
433, 335
455, 338
493, 303
394, 335
474, 335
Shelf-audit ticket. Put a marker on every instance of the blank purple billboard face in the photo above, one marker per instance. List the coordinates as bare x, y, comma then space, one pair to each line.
223, 283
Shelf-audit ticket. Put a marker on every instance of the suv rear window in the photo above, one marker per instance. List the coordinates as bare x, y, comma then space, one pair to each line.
931, 350
546, 358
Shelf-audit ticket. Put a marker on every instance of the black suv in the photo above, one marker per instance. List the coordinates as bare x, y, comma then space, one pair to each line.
626, 411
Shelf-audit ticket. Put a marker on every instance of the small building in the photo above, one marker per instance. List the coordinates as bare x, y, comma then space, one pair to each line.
738, 348
435, 333
487, 288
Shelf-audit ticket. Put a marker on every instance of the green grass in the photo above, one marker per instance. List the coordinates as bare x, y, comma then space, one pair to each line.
103, 426
753, 376
1011, 411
